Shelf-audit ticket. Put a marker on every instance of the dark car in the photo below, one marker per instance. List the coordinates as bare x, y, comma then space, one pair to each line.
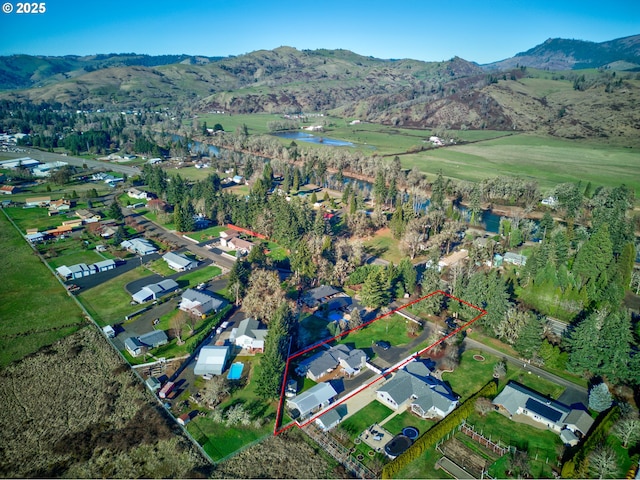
451, 323
383, 344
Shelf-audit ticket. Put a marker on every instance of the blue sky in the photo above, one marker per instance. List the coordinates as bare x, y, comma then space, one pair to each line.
480, 30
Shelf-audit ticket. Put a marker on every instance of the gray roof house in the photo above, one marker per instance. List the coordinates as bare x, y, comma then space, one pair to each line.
134, 346
140, 246
324, 362
414, 387
155, 290
212, 360
319, 295
200, 303
313, 400
179, 262
333, 417
516, 399
249, 335
515, 258
154, 339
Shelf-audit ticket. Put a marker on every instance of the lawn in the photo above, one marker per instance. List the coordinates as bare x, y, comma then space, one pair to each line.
471, 375
109, 302
71, 257
357, 423
408, 419
161, 267
38, 218
383, 245
193, 278
276, 252
392, 328
35, 309
207, 233
424, 466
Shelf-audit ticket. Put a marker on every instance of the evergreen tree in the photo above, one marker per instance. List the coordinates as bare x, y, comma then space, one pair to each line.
355, 320
379, 188
115, 211
600, 398
276, 347
375, 290
546, 224
437, 192
409, 275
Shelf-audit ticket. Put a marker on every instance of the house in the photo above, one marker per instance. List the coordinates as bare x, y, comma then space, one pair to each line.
138, 194
60, 231
550, 201
184, 419
226, 236
238, 179
60, 205
157, 205
516, 399
249, 335
108, 232
200, 303
139, 246
211, 360
8, 189
515, 258
240, 245
179, 262
88, 216
332, 418
200, 221
155, 290
311, 401
37, 201
133, 346
154, 339
453, 259
414, 387
319, 295
326, 361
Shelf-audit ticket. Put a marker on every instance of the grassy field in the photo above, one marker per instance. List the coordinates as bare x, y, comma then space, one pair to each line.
383, 245
109, 302
407, 419
391, 328
548, 160
192, 279
35, 309
207, 233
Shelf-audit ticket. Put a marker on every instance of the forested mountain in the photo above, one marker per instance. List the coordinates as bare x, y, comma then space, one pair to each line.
564, 54
455, 94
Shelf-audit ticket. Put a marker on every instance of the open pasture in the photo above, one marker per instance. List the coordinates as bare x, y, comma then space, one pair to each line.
35, 309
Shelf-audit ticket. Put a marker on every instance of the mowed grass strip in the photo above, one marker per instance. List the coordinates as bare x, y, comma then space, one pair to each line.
35, 309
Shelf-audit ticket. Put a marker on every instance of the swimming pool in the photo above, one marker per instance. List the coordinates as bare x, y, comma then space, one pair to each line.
235, 371
335, 316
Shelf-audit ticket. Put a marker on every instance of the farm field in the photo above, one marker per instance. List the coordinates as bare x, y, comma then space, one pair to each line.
548, 160
34, 307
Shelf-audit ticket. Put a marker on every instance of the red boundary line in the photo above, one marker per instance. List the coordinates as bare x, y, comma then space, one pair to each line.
385, 373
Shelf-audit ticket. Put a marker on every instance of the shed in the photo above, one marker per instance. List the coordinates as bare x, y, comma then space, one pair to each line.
109, 331
154, 338
153, 383
332, 418
179, 262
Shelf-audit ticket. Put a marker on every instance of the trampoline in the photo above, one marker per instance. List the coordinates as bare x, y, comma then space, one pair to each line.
411, 432
235, 371
397, 445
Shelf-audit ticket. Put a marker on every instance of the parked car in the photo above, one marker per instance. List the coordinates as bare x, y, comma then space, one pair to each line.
383, 344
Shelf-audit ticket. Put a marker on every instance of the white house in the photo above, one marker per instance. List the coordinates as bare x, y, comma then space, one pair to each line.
313, 400
200, 303
413, 387
249, 335
226, 236
154, 291
212, 360
179, 262
138, 194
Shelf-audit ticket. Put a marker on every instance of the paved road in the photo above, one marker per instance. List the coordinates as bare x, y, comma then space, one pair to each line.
46, 157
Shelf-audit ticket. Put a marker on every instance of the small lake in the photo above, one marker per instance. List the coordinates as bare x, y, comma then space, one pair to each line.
307, 137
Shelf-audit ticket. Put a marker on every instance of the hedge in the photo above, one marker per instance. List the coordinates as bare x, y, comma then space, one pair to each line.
438, 431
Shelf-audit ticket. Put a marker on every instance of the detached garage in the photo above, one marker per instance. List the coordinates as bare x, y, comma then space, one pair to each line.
212, 360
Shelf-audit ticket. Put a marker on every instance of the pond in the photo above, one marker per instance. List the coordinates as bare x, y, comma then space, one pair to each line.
307, 137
